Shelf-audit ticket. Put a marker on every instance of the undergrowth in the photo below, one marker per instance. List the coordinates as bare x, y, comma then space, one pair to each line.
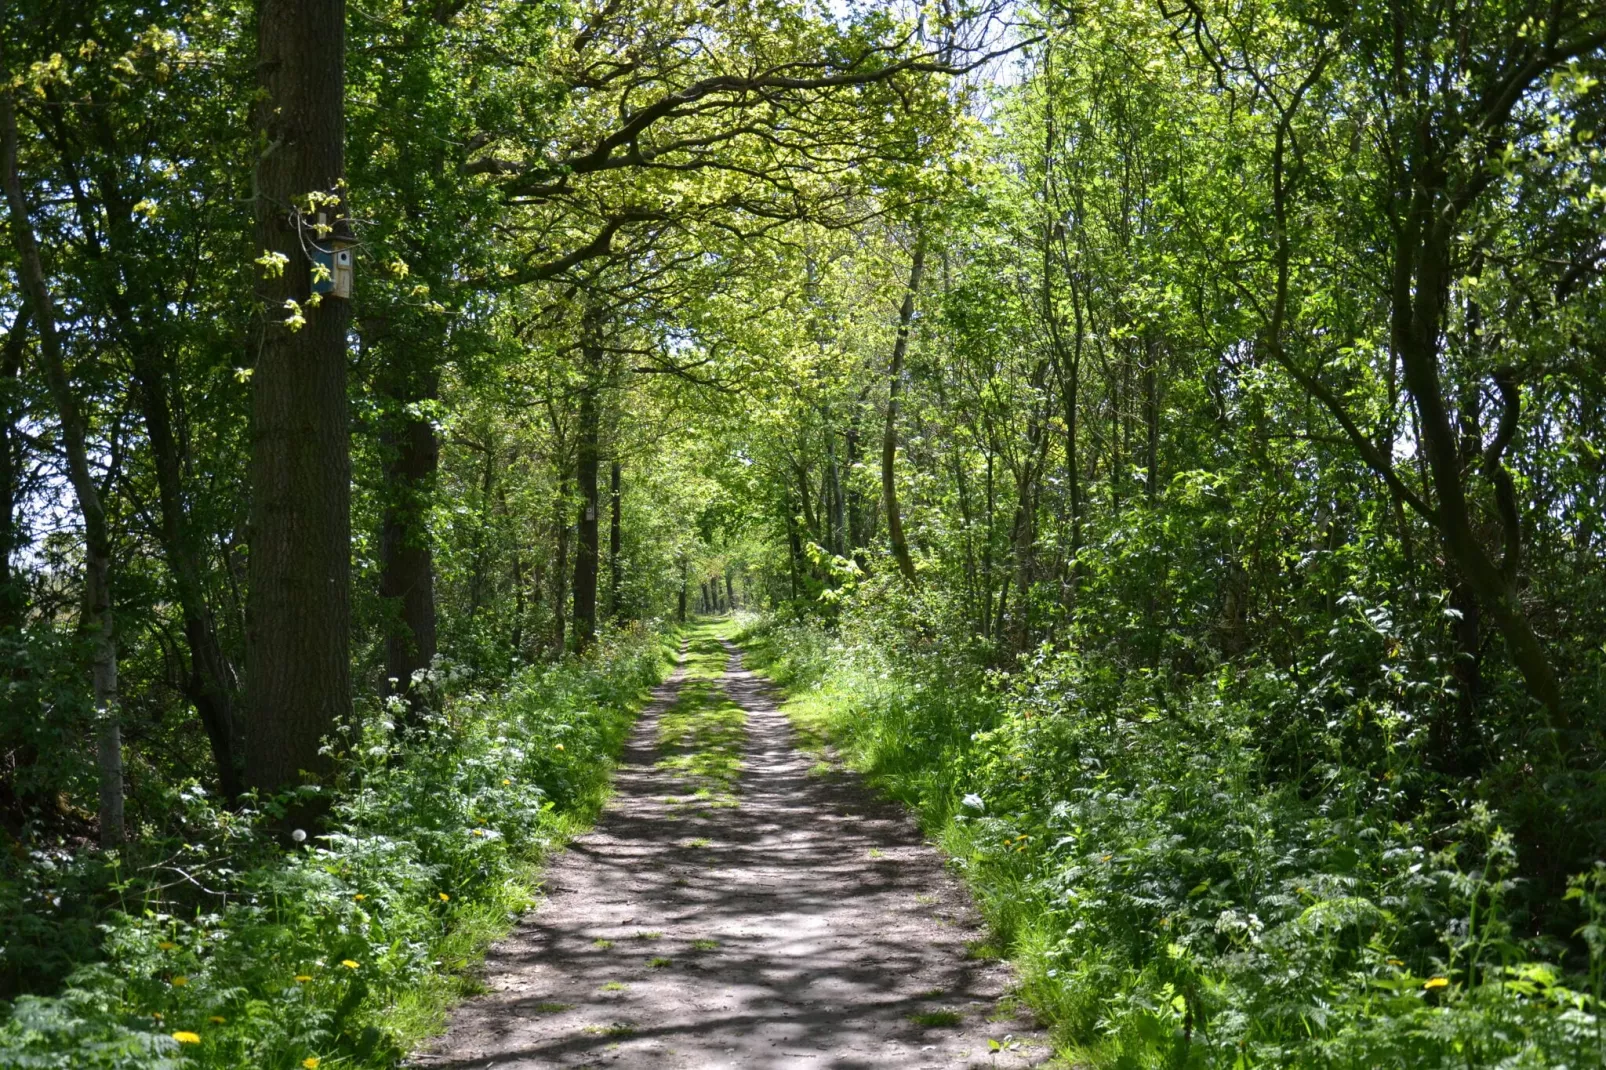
1168, 903
224, 950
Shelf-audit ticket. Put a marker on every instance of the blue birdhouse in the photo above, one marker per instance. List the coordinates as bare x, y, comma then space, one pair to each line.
334, 280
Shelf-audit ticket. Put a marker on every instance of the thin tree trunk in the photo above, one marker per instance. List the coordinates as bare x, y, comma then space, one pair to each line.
211, 687
560, 571
889, 437
836, 506
1420, 285
517, 638
407, 565
13, 601
857, 536
809, 519
590, 447
615, 539
479, 575
1151, 422
794, 546
99, 619
680, 608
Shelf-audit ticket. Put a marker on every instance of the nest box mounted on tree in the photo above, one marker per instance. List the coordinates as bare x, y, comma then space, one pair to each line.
333, 255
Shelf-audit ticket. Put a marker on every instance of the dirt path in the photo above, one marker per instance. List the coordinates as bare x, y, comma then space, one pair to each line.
805, 925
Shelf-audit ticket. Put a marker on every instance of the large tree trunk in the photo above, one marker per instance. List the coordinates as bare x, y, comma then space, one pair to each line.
889, 437
407, 567
99, 620
298, 613
587, 463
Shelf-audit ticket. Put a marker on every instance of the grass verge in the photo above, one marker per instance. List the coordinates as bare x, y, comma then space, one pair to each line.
347, 951
1167, 904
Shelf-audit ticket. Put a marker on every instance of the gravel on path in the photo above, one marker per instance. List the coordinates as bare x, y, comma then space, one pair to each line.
808, 926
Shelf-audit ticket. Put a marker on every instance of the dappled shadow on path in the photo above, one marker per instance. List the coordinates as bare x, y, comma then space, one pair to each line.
806, 926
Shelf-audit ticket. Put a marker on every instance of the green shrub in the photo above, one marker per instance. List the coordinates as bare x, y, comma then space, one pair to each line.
228, 952
1173, 898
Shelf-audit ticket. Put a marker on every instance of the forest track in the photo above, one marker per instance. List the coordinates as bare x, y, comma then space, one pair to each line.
801, 924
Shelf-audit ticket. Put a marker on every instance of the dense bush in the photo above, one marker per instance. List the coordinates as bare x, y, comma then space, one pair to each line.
1171, 901
222, 950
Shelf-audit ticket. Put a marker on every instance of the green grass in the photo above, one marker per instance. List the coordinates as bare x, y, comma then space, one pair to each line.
353, 949
702, 735
612, 1029
1165, 904
937, 1019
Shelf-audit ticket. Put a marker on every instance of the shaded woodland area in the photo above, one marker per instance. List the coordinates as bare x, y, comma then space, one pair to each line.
1165, 444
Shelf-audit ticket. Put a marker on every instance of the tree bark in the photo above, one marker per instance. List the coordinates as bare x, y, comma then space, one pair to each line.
680, 606
560, 571
211, 687
407, 566
13, 601
1420, 289
588, 462
889, 437
615, 540
298, 611
99, 619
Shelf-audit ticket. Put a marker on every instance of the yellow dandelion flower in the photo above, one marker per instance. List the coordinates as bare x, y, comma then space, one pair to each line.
350, 964
157, 1015
557, 746
444, 897
179, 982
184, 1036
1396, 962
303, 978
506, 782
310, 1062
1435, 982
479, 832
359, 897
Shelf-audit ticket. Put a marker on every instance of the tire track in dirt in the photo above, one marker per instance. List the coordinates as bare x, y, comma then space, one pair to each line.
805, 927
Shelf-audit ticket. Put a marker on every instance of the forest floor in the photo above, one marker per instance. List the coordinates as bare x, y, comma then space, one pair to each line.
741, 905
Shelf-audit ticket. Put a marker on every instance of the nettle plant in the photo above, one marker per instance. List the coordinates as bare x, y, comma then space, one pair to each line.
229, 952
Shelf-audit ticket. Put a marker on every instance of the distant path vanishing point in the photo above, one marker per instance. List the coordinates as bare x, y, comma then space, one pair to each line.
806, 926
